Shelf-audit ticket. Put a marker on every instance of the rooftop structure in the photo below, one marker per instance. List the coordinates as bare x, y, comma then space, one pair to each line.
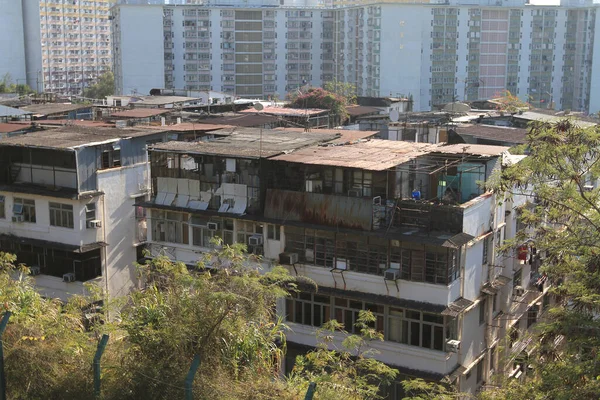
400, 228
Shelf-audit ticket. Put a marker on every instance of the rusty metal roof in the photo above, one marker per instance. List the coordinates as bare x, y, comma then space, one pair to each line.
245, 120
54, 108
357, 111
492, 132
250, 143
375, 155
287, 112
379, 155
346, 135
70, 137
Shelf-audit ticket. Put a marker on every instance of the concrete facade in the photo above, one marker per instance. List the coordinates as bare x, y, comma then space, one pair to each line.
435, 52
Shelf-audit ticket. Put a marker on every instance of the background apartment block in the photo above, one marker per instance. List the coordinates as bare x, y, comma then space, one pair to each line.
67, 43
436, 52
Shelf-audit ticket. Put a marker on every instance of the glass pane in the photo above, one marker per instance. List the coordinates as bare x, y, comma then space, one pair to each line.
415, 333
427, 336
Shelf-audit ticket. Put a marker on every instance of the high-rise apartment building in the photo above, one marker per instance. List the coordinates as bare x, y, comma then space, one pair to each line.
436, 51
12, 41
67, 43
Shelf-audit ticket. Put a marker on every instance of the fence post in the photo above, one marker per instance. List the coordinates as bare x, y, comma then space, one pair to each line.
96, 366
312, 387
189, 379
3, 324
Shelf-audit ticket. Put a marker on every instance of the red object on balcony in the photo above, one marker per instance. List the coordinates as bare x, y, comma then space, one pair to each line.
522, 253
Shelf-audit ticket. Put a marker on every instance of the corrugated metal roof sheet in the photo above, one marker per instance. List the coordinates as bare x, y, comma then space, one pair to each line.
54, 108
244, 120
12, 112
346, 135
69, 137
491, 132
287, 112
250, 143
140, 113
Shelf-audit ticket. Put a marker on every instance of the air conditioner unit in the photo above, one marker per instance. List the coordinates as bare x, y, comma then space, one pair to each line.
94, 224
588, 188
391, 274
288, 258
255, 240
212, 226
35, 270
18, 218
518, 291
452, 345
70, 277
341, 264
354, 193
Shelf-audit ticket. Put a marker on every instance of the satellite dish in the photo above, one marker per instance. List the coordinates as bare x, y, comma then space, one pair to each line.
394, 115
258, 106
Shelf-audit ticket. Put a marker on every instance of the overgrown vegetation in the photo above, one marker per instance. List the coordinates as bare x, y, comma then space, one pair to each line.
104, 86
225, 314
323, 99
8, 86
562, 221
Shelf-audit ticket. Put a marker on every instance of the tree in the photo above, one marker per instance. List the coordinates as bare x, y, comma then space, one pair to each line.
508, 102
562, 221
47, 350
343, 89
349, 372
320, 98
7, 86
104, 86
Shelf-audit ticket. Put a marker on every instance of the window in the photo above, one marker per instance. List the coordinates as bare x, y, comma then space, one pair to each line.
26, 208
486, 249
274, 232
482, 306
492, 360
201, 235
170, 227
90, 213
2, 210
308, 309
61, 215
111, 156
245, 230
517, 278
480, 371
423, 329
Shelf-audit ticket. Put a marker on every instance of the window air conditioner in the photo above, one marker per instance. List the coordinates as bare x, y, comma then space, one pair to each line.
341, 264
288, 258
94, 224
588, 188
255, 240
35, 270
18, 218
391, 274
70, 277
212, 226
452, 345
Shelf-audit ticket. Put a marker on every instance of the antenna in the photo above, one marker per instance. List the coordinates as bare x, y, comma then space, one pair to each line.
394, 115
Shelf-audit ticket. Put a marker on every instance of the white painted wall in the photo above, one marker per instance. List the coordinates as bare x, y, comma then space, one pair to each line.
12, 40
120, 187
42, 230
392, 353
141, 48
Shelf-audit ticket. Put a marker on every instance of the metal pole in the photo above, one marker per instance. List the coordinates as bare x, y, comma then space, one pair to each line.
97, 357
189, 379
3, 324
312, 387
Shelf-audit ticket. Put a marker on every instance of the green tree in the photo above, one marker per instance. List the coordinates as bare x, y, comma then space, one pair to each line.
343, 89
7, 86
104, 86
508, 102
320, 98
47, 350
349, 372
562, 220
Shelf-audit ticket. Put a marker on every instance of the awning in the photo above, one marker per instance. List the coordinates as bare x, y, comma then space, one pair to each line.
494, 286
458, 240
456, 307
59, 246
375, 298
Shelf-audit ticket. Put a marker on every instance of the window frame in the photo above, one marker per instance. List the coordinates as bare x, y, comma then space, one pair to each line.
27, 209
61, 215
